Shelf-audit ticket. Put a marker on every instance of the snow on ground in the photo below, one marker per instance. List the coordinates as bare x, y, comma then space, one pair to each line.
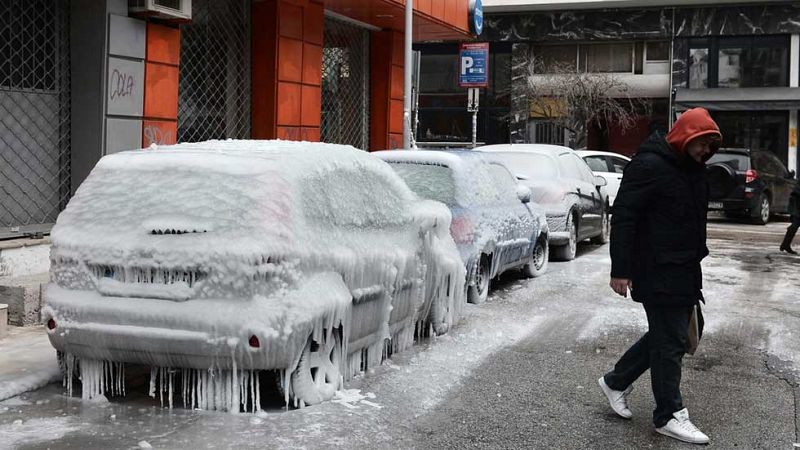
27, 361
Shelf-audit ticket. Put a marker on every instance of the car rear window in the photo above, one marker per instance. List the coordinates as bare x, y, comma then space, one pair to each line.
532, 165
429, 181
737, 161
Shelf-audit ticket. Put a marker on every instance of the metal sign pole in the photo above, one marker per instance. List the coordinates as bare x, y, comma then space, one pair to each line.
473, 100
407, 72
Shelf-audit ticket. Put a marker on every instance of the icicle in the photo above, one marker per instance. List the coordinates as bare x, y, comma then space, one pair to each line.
153, 374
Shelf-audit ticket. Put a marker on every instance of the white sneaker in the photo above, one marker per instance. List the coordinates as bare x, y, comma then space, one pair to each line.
682, 429
617, 399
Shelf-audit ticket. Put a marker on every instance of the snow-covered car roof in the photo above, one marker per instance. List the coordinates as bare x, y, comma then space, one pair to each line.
227, 191
535, 148
583, 153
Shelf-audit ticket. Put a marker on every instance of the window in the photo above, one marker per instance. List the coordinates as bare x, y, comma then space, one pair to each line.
569, 168
583, 169
552, 58
756, 130
606, 57
597, 163
619, 164
698, 68
531, 165
739, 62
658, 51
504, 182
768, 163
429, 181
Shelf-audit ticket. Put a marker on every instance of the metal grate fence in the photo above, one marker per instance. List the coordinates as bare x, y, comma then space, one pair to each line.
34, 114
214, 86
345, 85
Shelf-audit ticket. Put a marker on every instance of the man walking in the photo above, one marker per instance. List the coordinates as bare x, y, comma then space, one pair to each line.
794, 211
658, 238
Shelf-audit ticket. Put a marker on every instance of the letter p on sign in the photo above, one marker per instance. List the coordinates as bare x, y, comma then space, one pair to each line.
466, 63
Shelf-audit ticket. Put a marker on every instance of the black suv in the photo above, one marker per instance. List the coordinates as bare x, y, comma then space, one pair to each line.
750, 184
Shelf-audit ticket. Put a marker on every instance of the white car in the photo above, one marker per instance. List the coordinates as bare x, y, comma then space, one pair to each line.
573, 198
607, 165
216, 262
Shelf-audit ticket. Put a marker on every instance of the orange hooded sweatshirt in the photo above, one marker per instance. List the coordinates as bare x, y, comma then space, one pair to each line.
690, 125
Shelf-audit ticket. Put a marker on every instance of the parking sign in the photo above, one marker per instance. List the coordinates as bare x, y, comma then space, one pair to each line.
474, 65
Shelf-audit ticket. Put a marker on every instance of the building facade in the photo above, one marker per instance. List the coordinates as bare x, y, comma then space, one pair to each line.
740, 60
80, 79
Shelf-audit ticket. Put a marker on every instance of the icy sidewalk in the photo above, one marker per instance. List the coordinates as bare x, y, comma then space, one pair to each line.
27, 361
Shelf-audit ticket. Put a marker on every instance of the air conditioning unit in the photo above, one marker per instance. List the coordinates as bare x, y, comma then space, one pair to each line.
172, 10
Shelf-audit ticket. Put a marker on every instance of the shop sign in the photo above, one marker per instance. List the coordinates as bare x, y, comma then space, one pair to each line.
476, 17
474, 65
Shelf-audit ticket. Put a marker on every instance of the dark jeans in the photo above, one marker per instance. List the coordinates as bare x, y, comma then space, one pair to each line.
661, 350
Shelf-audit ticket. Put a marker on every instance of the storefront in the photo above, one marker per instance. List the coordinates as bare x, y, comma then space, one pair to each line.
80, 79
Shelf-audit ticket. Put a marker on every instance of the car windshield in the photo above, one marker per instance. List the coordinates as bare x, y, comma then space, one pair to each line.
532, 165
429, 181
737, 161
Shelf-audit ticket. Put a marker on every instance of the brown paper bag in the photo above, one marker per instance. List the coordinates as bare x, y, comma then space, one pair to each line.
695, 329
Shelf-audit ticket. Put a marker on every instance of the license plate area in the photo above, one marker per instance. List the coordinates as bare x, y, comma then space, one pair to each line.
714, 205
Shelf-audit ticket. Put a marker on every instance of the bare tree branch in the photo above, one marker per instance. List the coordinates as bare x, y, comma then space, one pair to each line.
574, 100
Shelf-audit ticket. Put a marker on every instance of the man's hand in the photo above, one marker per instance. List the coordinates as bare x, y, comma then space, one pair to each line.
621, 286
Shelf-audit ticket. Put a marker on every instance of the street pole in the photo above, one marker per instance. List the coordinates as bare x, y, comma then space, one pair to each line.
475, 128
407, 68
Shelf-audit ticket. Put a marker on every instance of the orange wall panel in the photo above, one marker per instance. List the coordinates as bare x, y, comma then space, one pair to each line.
290, 23
163, 44
310, 134
462, 19
290, 52
312, 64
289, 133
398, 48
311, 110
451, 11
263, 69
397, 82
396, 116
424, 6
395, 141
161, 91
289, 103
313, 22
160, 132
437, 9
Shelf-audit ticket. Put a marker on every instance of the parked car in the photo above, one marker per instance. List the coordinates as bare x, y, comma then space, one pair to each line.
215, 262
608, 165
748, 183
573, 198
495, 226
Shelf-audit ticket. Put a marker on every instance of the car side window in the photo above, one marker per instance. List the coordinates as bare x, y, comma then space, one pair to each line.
585, 171
619, 164
504, 182
568, 167
597, 163
353, 197
773, 165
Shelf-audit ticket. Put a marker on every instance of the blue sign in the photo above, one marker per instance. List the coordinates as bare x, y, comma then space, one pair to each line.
474, 65
476, 17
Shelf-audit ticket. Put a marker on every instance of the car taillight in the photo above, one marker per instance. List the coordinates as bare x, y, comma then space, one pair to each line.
750, 176
461, 230
254, 342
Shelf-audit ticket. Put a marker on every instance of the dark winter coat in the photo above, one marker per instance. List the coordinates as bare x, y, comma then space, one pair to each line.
658, 227
794, 202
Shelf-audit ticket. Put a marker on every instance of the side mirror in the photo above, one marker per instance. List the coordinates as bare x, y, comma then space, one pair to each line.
522, 177
523, 193
600, 181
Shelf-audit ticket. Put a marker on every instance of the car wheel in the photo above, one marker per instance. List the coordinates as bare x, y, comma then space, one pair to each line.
762, 211
479, 290
605, 229
538, 265
318, 374
567, 252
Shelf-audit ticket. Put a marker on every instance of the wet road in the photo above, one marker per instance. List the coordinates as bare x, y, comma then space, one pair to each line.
519, 372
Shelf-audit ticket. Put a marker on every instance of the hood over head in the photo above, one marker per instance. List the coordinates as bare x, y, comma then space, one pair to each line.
690, 125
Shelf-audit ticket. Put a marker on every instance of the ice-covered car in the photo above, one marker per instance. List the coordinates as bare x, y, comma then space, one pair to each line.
608, 165
573, 198
495, 226
215, 262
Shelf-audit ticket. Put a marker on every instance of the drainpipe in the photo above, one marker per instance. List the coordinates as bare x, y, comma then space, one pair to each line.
407, 66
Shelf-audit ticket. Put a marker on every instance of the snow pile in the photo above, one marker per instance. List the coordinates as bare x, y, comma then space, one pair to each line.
178, 257
26, 361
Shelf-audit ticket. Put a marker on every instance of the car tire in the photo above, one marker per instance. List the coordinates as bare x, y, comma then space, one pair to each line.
763, 210
540, 258
478, 290
568, 251
605, 229
318, 374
